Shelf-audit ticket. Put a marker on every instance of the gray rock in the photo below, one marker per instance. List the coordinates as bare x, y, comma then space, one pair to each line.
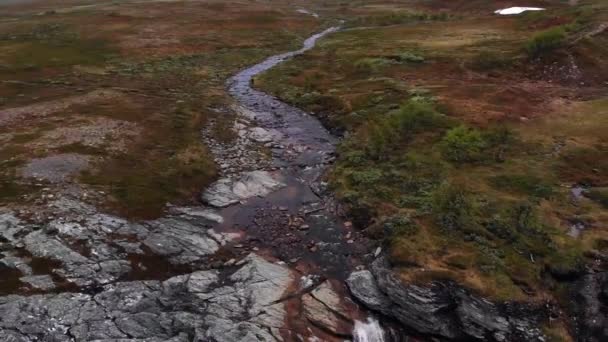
209, 214
440, 309
364, 287
323, 307
229, 191
17, 263
204, 305
42, 245
39, 282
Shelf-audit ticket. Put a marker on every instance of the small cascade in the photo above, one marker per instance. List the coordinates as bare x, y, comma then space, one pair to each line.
368, 331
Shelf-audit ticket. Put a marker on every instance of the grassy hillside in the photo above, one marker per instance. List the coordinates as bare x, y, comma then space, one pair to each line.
467, 137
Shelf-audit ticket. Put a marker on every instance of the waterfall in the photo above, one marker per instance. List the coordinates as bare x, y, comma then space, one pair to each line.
369, 331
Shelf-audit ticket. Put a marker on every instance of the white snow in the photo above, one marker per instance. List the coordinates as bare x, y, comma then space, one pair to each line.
517, 10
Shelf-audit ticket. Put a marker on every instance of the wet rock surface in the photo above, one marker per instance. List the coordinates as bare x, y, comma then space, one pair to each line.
444, 310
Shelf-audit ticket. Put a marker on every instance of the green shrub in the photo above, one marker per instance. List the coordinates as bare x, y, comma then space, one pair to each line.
452, 207
380, 140
462, 144
417, 116
413, 117
398, 226
366, 177
545, 41
409, 57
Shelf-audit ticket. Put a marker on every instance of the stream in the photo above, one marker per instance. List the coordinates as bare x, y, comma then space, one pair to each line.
302, 150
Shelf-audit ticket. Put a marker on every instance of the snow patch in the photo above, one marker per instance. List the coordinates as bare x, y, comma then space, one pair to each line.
517, 10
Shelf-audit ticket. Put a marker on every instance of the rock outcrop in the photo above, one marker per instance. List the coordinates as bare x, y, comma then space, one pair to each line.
443, 310
85, 248
202, 306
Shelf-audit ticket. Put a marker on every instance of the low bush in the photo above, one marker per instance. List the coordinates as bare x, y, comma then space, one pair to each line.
545, 41
452, 207
409, 57
413, 117
398, 226
463, 144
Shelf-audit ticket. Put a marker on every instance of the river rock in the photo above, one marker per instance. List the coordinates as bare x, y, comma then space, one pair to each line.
232, 190
440, 309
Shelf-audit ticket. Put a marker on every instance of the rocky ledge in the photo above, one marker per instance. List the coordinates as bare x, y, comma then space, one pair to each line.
442, 310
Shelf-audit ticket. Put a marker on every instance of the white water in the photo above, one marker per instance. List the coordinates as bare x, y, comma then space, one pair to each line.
369, 331
517, 10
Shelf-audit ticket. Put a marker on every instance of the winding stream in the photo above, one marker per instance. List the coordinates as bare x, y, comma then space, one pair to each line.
327, 248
